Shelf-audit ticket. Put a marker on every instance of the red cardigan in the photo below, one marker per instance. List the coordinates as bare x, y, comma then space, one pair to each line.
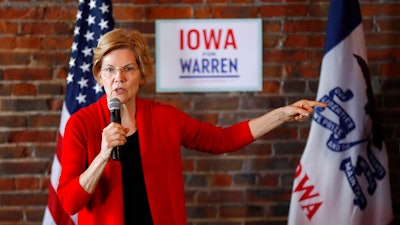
162, 130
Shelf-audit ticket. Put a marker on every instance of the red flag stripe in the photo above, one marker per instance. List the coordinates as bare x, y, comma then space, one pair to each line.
56, 210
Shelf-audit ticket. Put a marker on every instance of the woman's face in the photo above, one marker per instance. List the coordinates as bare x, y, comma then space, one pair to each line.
120, 75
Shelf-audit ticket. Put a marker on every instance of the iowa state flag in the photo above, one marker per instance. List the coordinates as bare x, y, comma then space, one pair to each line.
343, 177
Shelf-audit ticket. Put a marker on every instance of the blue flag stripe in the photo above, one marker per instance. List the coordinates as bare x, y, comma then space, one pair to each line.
344, 17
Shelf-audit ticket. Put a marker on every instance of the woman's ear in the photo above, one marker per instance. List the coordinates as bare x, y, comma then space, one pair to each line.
98, 79
141, 82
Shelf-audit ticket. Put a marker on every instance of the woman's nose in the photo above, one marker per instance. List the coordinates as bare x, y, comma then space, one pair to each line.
119, 76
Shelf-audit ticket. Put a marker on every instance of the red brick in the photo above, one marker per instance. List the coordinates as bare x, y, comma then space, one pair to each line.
25, 74
22, 13
168, 13
294, 86
233, 211
304, 41
27, 183
242, 1
271, 87
311, 70
45, 150
234, 12
273, 70
7, 184
56, 43
316, 55
201, 212
242, 211
283, 10
380, 10
267, 195
221, 180
61, 13
44, 121
289, 148
215, 196
262, 102
267, 164
221, 103
258, 148
176, 101
12, 152
272, 40
24, 89
284, 56
34, 215
49, 28
318, 9
219, 165
12, 121
387, 24
15, 58
11, 215
268, 179
23, 199
248, 180
190, 1
390, 69
383, 54
271, 27
7, 42
52, 58
51, 89
195, 180
8, 27
379, 39
31, 136
202, 12
61, 72
23, 167
54, 104
128, 13
188, 165
23, 104
5, 89
28, 42
305, 25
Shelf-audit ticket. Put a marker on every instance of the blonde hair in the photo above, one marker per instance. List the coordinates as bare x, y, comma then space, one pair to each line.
124, 39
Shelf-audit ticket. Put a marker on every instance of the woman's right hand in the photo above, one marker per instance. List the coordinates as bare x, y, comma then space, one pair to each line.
113, 135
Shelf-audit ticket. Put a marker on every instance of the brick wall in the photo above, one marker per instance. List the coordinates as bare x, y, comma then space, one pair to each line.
249, 187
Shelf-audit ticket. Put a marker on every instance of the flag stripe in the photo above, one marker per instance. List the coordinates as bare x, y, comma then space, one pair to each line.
58, 214
48, 217
347, 17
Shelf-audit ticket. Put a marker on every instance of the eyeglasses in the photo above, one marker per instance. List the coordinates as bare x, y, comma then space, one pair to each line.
111, 71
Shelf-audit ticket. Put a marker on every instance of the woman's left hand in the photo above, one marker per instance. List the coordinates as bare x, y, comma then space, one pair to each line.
301, 110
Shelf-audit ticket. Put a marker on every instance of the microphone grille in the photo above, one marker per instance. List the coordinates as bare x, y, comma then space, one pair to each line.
114, 104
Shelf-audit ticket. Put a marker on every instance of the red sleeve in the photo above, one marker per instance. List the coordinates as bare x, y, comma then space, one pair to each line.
207, 137
73, 163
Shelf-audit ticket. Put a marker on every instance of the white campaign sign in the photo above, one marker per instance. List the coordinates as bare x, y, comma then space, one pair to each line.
197, 55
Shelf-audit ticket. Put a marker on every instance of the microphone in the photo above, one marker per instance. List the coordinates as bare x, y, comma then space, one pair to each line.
114, 105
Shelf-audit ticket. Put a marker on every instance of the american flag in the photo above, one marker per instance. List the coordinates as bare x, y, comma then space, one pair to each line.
343, 175
94, 18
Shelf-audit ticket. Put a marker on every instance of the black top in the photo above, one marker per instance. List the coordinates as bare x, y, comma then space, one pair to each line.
136, 204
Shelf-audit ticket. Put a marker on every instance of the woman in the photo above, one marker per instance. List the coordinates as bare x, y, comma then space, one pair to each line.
146, 186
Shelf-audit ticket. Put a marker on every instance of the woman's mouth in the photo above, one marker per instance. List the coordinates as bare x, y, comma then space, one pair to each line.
119, 90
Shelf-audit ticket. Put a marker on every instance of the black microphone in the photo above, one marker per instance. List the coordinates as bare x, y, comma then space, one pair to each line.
114, 105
